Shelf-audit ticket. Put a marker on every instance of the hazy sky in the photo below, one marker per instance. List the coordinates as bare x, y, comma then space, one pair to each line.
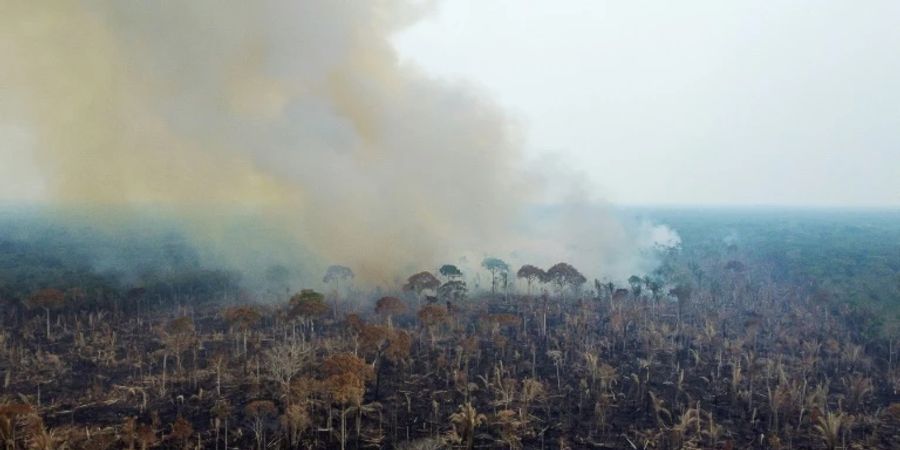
701, 102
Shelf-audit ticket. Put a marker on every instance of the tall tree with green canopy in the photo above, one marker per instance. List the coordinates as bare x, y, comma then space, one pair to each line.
450, 272
495, 266
452, 291
636, 284
654, 286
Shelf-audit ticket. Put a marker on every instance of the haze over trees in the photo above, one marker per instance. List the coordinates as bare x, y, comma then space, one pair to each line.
270, 225
563, 275
47, 299
531, 274
725, 344
453, 291
421, 283
498, 269
389, 307
450, 272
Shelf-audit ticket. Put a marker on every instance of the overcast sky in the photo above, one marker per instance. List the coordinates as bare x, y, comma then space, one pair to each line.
700, 102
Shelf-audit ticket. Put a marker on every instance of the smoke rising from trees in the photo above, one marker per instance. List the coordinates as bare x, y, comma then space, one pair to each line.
297, 113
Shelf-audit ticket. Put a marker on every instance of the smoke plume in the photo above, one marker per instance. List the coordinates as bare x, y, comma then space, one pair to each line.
297, 112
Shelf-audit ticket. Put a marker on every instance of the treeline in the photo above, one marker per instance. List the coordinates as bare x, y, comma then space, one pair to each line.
846, 255
27, 267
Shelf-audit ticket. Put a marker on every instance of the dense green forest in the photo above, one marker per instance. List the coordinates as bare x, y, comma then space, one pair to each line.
39, 251
850, 256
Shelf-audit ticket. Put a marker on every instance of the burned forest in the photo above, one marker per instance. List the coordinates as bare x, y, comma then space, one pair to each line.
449, 224
709, 352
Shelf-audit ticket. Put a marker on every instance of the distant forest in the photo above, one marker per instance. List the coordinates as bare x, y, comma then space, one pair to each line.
847, 256
37, 252
850, 256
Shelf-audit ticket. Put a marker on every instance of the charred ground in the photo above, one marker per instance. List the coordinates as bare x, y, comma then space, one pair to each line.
727, 345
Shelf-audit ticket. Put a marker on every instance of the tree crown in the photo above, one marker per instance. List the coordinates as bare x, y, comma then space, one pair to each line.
450, 271
421, 281
495, 264
307, 303
337, 273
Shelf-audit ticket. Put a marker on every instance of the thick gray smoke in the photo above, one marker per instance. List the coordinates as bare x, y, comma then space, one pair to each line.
294, 112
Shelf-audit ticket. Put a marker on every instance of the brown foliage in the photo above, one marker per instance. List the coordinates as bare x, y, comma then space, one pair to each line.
343, 363
390, 306
182, 430
48, 298
421, 281
346, 375
259, 408
9, 416
399, 345
146, 436
563, 274
431, 315
345, 388
373, 338
242, 317
355, 322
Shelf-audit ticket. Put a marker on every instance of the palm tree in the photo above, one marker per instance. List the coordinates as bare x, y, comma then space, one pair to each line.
828, 427
465, 421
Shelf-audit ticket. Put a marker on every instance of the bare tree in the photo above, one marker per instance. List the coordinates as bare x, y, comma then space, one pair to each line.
47, 299
285, 359
242, 319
